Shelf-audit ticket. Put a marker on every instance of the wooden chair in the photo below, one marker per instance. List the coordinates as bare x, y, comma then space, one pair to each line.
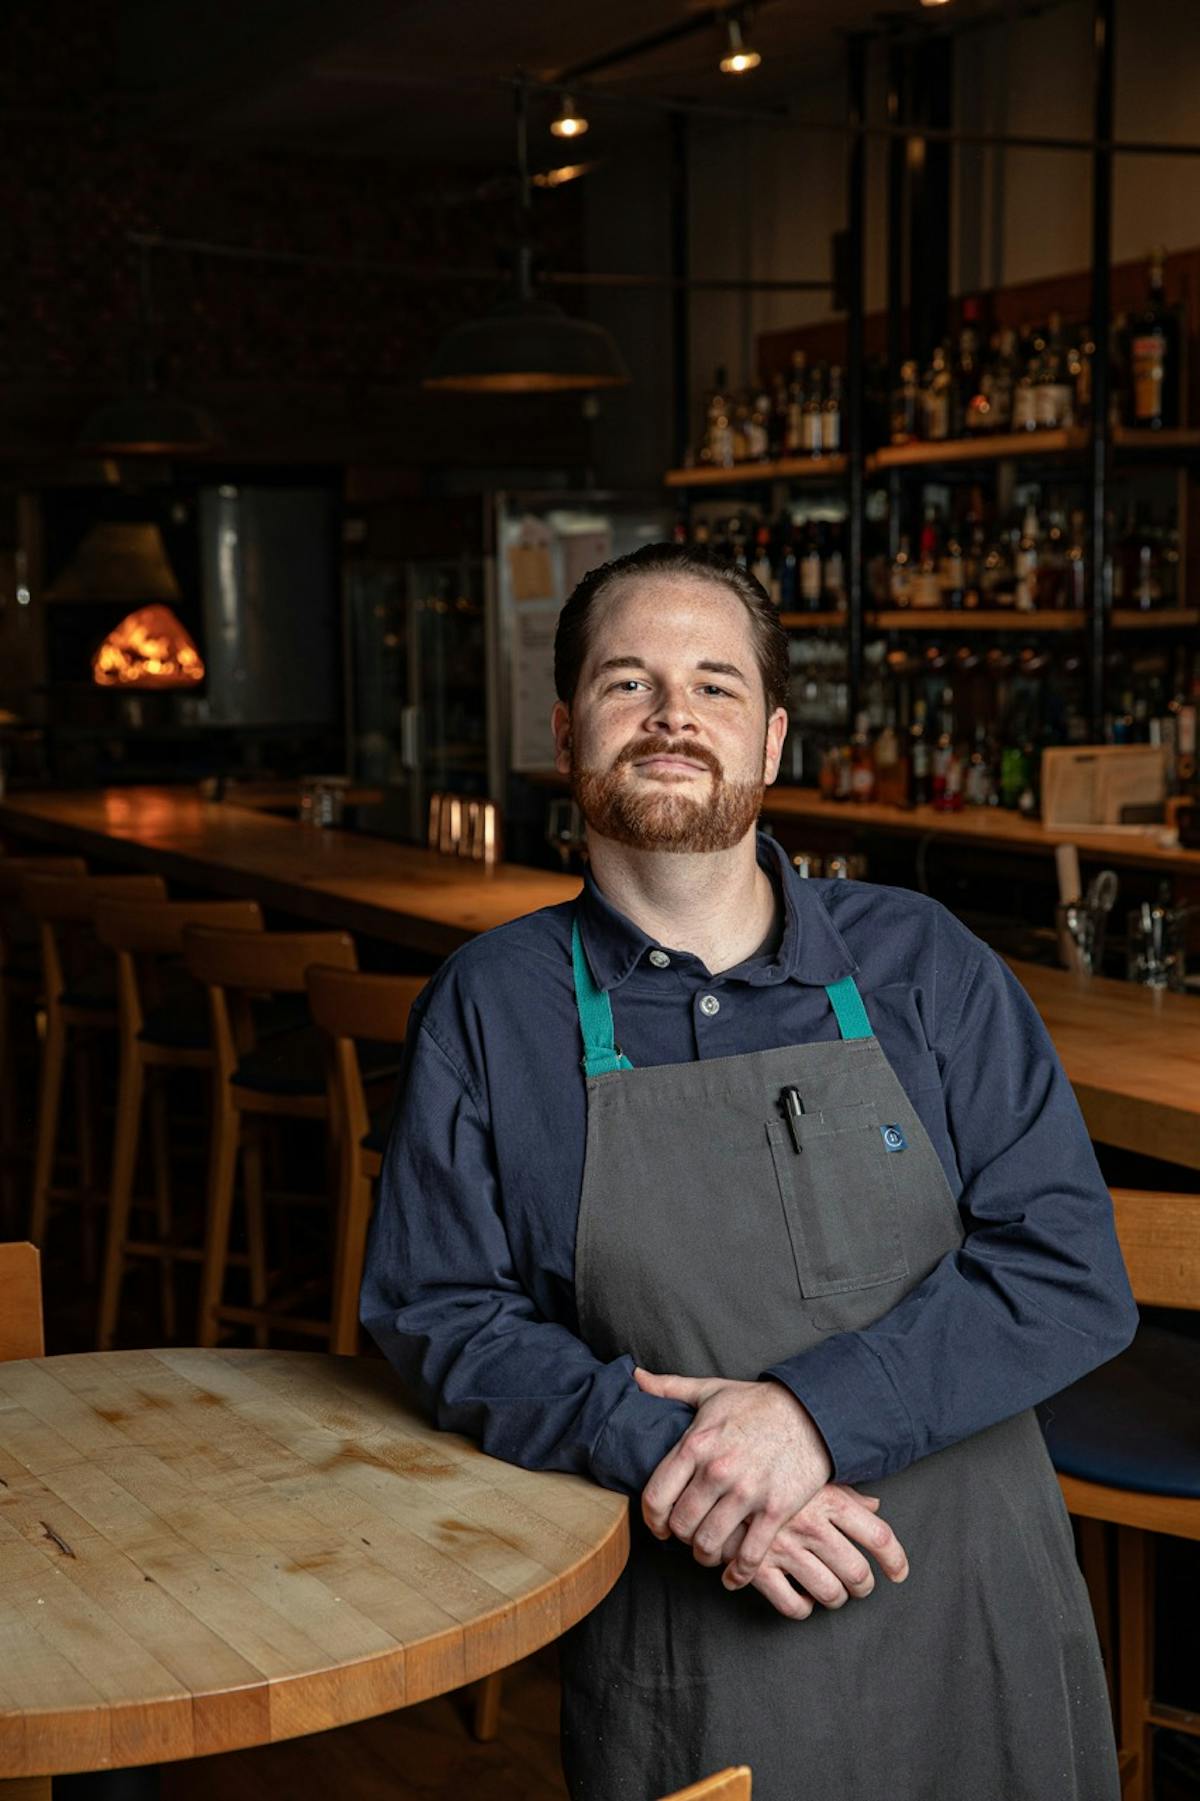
20, 986
78, 1008
1125, 1445
20, 1302
281, 1076
162, 1027
727, 1785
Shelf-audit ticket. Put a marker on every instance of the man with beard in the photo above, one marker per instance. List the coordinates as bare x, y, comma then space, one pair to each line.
735, 1191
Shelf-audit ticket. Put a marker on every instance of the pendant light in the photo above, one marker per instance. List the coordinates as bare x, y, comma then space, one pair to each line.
570, 123
739, 57
526, 344
144, 421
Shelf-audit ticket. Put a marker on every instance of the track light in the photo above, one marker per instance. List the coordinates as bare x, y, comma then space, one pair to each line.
569, 123
932, 3
739, 58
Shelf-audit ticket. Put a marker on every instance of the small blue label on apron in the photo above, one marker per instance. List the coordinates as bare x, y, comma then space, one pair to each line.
893, 1138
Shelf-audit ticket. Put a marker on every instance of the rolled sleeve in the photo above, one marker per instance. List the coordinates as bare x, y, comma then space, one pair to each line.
443, 1301
1036, 1297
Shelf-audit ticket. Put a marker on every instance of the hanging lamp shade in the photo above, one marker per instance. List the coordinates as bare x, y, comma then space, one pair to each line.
527, 345
145, 422
118, 562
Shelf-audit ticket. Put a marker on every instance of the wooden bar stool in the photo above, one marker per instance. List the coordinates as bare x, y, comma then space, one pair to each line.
256, 1078
80, 1005
353, 1008
20, 1302
726, 1785
163, 1025
1125, 1444
20, 988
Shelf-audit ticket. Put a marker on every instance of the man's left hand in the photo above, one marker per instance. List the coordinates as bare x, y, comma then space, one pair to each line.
751, 1456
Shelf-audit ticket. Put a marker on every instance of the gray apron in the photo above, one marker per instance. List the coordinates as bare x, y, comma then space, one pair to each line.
709, 1244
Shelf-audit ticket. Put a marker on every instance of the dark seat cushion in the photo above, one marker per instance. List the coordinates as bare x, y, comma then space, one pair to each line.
94, 992
295, 1062
181, 1022
1134, 1422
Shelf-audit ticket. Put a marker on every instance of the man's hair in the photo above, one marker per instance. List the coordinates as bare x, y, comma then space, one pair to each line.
770, 639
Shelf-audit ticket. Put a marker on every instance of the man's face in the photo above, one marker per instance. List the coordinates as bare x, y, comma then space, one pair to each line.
667, 743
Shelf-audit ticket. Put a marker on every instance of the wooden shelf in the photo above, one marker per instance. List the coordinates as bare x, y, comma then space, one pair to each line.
1128, 437
981, 450
976, 619
1130, 619
798, 621
786, 469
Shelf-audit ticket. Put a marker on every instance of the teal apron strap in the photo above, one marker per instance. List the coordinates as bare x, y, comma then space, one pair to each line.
600, 1054
847, 1003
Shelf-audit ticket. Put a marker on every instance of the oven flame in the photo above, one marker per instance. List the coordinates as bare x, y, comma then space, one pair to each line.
149, 649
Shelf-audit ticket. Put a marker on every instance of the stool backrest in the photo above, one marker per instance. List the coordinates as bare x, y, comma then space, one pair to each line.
350, 1005
20, 1302
65, 906
145, 933
13, 871
726, 1785
236, 965
1160, 1242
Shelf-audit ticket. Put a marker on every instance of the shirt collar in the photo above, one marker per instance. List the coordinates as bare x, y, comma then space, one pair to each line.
812, 949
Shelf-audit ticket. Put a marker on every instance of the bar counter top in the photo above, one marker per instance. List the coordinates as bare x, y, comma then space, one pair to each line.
1133, 1055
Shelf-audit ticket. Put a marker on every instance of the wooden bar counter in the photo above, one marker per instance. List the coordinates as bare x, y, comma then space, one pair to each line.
1132, 1055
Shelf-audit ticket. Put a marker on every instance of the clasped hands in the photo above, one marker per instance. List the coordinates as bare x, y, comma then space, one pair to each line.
748, 1486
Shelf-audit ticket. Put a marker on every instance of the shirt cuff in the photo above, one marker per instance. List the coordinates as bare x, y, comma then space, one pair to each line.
637, 1435
854, 1405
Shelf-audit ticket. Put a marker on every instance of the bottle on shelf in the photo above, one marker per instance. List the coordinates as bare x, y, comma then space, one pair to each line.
936, 395
778, 426
811, 571
812, 419
862, 761
924, 589
906, 406
1151, 345
831, 425
717, 448
1026, 562
1054, 391
797, 394
901, 575
918, 758
1024, 402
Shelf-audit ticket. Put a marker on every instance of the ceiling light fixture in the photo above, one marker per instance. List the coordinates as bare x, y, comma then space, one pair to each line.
557, 178
932, 3
569, 123
739, 58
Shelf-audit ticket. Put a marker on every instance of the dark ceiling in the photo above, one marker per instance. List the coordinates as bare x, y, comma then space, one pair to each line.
424, 80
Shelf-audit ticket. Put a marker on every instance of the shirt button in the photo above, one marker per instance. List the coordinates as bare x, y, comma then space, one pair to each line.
709, 1004
660, 959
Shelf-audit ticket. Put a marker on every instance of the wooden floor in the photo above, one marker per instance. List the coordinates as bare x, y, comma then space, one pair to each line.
417, 1755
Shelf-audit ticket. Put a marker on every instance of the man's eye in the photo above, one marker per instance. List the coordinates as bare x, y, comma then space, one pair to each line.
712, 688
627, 686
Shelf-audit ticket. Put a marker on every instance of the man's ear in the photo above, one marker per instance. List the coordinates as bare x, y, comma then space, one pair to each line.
560, 725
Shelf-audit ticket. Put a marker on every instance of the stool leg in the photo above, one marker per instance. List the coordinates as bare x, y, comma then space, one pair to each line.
160, 1135
1135, 1608
351, 1221
54, 1052
85, 1139
1093, 1556
8, 1115
126, 1131
486, 1722
256, 1237
222, 1169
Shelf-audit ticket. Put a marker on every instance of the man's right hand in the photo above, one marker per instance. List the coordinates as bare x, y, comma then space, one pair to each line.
819, 1549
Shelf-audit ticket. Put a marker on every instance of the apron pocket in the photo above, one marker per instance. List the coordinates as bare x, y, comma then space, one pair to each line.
839, 1200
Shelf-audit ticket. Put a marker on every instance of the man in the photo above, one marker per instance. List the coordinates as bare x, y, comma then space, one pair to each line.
818, 1209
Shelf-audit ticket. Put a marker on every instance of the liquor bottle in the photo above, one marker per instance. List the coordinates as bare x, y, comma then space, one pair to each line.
794, 443
965, 387
906, 406
891, 765
936, 393
810, 569
1152, 359
777, 429
952, 577
1026, 562
1054, 392
758, 439
943, 751
1075, 591
1002, 382
862, 762
741, 428
718, 439
813, 418
761, 569
1024, 408
831, 429
835, 572
1050, 588
979, 786
918, 758
900, 582
925, 591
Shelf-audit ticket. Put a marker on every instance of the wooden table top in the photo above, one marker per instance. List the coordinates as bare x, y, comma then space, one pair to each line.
1132, 1055
345, 880
994, 827
202, 1550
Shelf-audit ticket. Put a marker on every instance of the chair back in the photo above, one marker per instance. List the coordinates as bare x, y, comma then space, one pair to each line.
727, 1785
146, 933
13, 871
20, 1302
351, 1005
233, 966
1160, 1241
65, 906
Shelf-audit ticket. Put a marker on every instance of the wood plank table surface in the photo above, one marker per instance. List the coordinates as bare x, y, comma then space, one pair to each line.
206, 1550
1132, 1055
410, 896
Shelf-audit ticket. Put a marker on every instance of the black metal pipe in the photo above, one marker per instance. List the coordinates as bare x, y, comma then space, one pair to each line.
680, 261
1098, 595
856, 484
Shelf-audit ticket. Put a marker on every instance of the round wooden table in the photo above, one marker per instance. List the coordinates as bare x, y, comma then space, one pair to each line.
206, 1550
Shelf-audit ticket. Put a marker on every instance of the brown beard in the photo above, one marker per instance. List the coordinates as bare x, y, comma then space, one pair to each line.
666, 821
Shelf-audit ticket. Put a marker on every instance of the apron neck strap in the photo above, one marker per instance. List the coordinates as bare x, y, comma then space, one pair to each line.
600, 1053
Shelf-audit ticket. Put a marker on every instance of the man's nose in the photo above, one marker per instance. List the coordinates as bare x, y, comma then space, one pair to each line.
672, 713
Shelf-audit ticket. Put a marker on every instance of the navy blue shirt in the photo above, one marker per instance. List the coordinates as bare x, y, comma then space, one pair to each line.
469, 1283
